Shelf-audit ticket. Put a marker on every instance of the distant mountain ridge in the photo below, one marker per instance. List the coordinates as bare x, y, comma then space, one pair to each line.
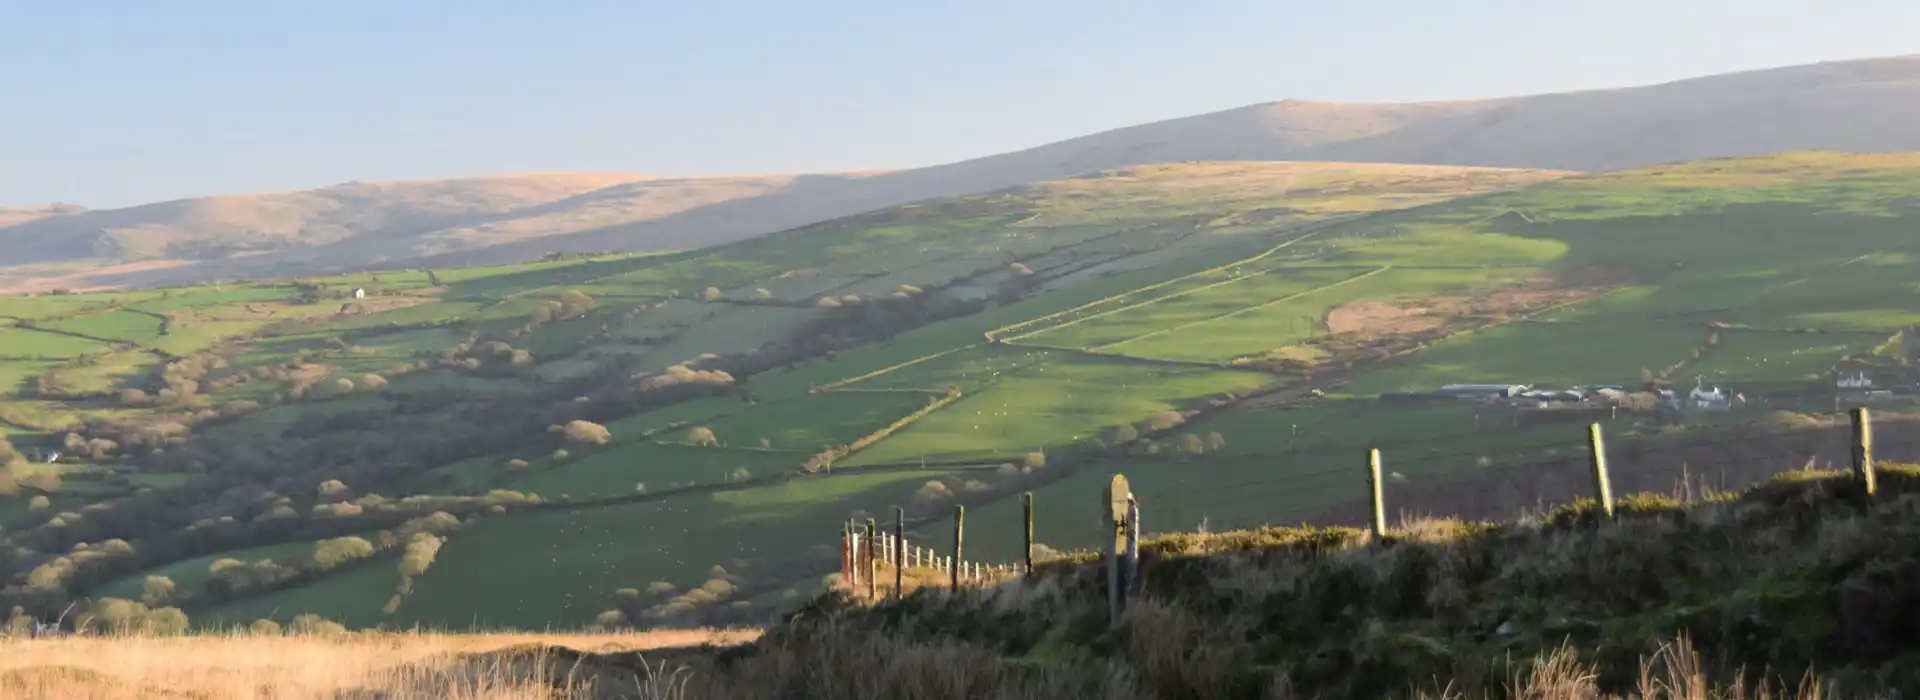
1870, 105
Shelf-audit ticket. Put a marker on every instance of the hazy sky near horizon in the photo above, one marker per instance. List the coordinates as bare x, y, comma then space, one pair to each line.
121, 102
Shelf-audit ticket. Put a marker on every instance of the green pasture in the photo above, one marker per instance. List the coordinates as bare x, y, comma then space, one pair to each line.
352, 597
17, 376
1762, 356
18, 506
697, 410
185, 338
472, 476
1298, 317
208, 296
728, 329
1877, 291
561, 567
814, 422
28, 343
466, 385
1052, 403
1235, 294
158, 480
1232, 491
956, 334
45, 305
968, 370
1596, 350
565, 336
116, 325
191, 575
407, 343
429, 312
620, 469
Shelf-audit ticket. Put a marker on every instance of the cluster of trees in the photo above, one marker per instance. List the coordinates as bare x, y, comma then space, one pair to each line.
681, 374
571, 303
491, 357
118, 616
263, 519
419, 541
721, 598
96, 449
420, 553
577, 434
15, 476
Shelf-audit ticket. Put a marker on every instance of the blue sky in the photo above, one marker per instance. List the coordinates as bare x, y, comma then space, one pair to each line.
118, 102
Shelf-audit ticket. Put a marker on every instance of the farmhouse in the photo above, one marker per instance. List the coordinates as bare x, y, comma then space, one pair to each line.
1481, 391
1709, 400
359, 293
1858, 382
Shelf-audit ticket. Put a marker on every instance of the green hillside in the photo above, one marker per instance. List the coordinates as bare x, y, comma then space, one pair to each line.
609, 429
1791, 589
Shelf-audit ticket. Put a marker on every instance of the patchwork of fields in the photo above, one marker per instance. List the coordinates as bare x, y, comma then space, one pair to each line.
731, 407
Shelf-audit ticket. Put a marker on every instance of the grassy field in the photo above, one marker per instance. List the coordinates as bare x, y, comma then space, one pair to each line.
561, 568
191, 575
1755, 356
1052, 403
1296, 317
622, 469
812, 422
697, 410
116, 325
352, 597
34, 344
16, 376
1195, 304
1611, 350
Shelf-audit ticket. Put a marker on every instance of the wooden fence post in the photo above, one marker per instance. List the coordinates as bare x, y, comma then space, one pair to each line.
1863, 452
873, 559
959, 542
1114, 512
853, 558
1133, 545
899, 553
1379, 498
1026, 506
1602, 487
846, 554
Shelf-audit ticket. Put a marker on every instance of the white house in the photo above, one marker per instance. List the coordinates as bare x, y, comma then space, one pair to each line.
1703, 399
359, 293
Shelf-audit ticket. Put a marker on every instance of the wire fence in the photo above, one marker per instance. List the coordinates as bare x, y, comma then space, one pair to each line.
1337, 486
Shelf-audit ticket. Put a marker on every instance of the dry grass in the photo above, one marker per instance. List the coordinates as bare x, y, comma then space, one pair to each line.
391, 667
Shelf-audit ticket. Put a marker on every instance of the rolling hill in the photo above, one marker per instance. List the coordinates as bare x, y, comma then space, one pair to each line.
1225, 334
1862, 106
1856, 106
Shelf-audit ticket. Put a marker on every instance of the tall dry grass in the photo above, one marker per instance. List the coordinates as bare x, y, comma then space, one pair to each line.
385, 666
